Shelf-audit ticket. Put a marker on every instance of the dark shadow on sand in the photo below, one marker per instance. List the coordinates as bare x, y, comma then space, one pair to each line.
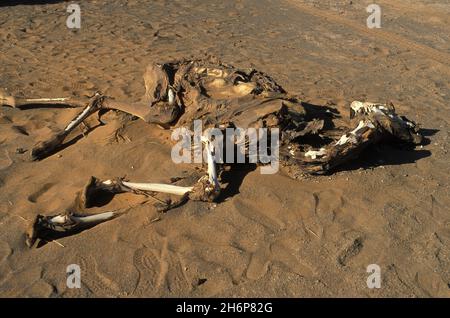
55, 236
70, 142
390, 153
233, 180
383, 155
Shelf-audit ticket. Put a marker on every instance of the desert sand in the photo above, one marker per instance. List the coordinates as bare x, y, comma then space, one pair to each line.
270, 236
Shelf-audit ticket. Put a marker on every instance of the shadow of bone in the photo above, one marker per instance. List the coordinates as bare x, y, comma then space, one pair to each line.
233, 178
426, 132
65, 144
53, 236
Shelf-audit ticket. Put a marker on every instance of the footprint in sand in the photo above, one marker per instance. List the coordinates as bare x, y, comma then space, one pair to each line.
249, 210
258, 266
5, 251
40, 192
431, 284
160, 271
5, 160
277, 253
146, 262
350, 251
96, 282
291, 259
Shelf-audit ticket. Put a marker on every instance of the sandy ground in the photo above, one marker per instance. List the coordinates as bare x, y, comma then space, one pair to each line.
273, 236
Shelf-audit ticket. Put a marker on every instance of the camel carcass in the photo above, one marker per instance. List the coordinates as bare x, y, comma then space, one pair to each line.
222, 96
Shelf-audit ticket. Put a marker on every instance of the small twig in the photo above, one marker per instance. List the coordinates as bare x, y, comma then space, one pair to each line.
155, 220
312, 232
21, 217
56, 242
148, 194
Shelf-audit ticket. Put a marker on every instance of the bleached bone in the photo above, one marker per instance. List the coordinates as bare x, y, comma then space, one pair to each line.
352, 135
158, 187
16, 102
48, 227
65, 218
376, 122
161, 115
357, 107
159, 106
182, 91
212, 172
313, 154
45, 148
171, 96
207, 187
95, 186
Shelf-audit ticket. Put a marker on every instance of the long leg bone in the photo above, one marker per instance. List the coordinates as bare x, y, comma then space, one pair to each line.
17, 102
206, 189
50, 227
43, 149
161, 113
158, 187
95, 187
158, 115
154, 109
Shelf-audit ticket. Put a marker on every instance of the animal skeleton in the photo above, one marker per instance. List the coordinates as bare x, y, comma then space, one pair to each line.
222, 96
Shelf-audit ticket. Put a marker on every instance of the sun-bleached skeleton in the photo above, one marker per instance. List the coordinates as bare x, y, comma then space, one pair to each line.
222, 96
49, 227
